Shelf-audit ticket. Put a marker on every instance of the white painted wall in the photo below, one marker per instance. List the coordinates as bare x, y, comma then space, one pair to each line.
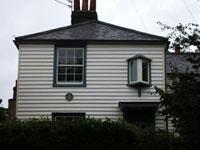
106, 82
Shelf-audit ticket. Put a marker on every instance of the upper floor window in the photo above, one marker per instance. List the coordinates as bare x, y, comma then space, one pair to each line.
139, 71
70, 66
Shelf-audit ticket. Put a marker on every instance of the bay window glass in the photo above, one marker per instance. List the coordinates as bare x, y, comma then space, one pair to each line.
145, 70
133, 69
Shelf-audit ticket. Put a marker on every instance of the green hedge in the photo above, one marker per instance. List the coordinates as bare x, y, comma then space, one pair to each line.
87, 134
2, 114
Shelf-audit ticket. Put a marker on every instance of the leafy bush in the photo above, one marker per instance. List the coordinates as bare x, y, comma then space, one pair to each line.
88, 134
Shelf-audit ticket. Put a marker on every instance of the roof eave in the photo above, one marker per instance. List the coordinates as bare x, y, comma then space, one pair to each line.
16, 44
19, 41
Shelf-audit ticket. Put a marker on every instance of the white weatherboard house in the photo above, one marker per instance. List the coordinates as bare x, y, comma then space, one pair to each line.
91, 69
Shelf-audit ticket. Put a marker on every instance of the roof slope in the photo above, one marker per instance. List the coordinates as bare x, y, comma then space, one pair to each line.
92, 30
181, 62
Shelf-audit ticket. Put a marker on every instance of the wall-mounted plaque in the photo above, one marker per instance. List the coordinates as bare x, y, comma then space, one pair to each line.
69, 96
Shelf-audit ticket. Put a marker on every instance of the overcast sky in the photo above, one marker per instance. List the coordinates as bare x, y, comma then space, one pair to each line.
21, 17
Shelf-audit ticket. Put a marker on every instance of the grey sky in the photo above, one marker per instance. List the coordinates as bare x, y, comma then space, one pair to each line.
20, 17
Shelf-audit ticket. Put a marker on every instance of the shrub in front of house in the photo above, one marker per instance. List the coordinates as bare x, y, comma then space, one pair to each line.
87, 134
3, 116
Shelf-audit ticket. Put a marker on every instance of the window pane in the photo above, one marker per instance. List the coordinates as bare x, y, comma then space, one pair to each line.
61, 78
79, 61
79, 70
61, 61
133, 70
70, 53
145, 70
79, 53
69, 70
61, 70
70, 56
62, 52
78, 77
70, 61
61, 56
70, 78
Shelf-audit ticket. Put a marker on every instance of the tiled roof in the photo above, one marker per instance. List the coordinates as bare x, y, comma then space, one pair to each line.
181, 62
92, 30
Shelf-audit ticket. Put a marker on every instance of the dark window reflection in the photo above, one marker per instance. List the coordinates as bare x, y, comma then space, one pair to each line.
78, 61
78, 70
70, 77
70, 61
62, 53
145, 70
61, 78
78, 77
70, 53
79, 53
61, 61
70, 70
61, 70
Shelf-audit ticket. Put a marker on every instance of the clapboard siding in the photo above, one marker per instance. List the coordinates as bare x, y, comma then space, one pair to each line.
106, 82
85, 98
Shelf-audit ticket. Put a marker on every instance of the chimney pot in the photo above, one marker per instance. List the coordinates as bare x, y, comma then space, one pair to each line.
85, 6
92, 5
76, 5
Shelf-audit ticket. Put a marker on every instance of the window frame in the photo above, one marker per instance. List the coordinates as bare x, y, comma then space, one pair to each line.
68, 116
55, 75
139, 82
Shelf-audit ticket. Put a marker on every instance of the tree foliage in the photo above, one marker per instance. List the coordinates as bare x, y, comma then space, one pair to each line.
181, 100
182, 103
185, 36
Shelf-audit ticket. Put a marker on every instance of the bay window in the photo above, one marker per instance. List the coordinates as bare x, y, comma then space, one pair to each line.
139, 71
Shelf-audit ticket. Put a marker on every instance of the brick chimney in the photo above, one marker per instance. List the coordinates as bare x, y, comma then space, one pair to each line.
177, 49
84, 14
12, 104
